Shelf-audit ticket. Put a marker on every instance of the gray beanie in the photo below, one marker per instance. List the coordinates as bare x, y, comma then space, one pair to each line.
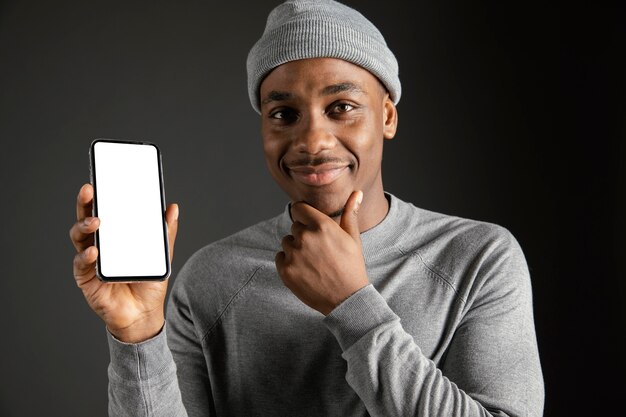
299, 29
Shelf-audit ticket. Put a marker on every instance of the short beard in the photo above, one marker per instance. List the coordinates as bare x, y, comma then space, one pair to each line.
333, 215
337, 213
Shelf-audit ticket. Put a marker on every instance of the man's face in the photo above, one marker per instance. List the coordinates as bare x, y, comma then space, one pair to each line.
323, 124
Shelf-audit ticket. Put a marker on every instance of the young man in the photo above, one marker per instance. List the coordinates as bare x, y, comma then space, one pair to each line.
349, 303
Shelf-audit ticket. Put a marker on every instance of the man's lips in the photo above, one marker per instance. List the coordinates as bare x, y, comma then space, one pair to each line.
318, 175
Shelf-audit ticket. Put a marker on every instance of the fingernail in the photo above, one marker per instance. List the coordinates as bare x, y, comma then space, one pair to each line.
359, 198
88, 221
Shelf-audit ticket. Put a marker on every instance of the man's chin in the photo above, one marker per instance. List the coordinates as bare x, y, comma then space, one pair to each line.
329, 201
333, 210
336, 214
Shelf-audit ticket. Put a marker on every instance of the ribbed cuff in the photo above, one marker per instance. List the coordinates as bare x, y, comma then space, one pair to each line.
364, 311
140, 361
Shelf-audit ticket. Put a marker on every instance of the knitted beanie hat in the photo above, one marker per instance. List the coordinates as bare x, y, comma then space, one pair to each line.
299, 29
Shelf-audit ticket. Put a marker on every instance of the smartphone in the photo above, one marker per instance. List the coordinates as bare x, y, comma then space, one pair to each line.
129, 200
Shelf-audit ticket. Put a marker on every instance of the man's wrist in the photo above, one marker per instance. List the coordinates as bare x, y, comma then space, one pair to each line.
364, 311
337, 302
140, 361
139, 331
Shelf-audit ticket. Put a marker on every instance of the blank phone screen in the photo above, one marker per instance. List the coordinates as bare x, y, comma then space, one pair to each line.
132, 237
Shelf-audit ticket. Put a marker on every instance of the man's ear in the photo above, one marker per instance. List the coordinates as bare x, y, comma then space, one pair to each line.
390, 118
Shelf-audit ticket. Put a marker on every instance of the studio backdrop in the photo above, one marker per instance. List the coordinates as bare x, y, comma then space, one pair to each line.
511, 114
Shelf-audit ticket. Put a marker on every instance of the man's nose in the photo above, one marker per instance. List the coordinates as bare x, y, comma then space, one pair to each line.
314, 136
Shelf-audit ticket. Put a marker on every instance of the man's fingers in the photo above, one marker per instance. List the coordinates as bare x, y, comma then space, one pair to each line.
171, 217
306, 214
281, 265
82, 232
279, 259
84, 202
297, 229
85, 265
288, 243
349, 218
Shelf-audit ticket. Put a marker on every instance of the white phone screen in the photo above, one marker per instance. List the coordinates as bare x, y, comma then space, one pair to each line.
129, 201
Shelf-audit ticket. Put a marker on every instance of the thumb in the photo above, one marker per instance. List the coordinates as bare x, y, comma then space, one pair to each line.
171, 216
350, 219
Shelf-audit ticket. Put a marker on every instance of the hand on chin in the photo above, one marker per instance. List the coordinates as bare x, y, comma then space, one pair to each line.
331, 204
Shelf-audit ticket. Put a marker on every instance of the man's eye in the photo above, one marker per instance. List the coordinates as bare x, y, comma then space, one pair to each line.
283, 114
343, 107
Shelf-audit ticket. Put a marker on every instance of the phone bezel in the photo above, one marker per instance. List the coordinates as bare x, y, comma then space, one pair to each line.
139, 278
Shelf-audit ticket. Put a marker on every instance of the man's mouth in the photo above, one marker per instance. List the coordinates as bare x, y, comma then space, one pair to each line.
316, 173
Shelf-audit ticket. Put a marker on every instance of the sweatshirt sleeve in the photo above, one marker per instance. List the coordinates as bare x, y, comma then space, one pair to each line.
186, 347
142, 379
491, 367
165, 376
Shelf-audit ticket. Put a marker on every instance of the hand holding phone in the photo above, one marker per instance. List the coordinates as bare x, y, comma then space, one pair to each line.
129, 200
132, 311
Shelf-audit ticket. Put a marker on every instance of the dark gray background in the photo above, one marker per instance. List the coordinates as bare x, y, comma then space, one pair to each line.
510, 114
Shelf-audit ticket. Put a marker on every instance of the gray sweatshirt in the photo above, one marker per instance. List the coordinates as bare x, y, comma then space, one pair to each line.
444, 329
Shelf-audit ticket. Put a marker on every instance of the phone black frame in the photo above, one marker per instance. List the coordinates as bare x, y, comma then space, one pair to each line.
92, 172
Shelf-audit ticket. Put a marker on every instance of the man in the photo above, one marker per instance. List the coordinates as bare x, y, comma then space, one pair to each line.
351, 302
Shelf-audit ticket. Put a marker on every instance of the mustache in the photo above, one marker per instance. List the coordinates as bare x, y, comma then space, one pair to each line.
312, 162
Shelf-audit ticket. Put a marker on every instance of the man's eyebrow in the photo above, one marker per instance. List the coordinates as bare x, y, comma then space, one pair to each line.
326, 91
277, 96
342, 87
